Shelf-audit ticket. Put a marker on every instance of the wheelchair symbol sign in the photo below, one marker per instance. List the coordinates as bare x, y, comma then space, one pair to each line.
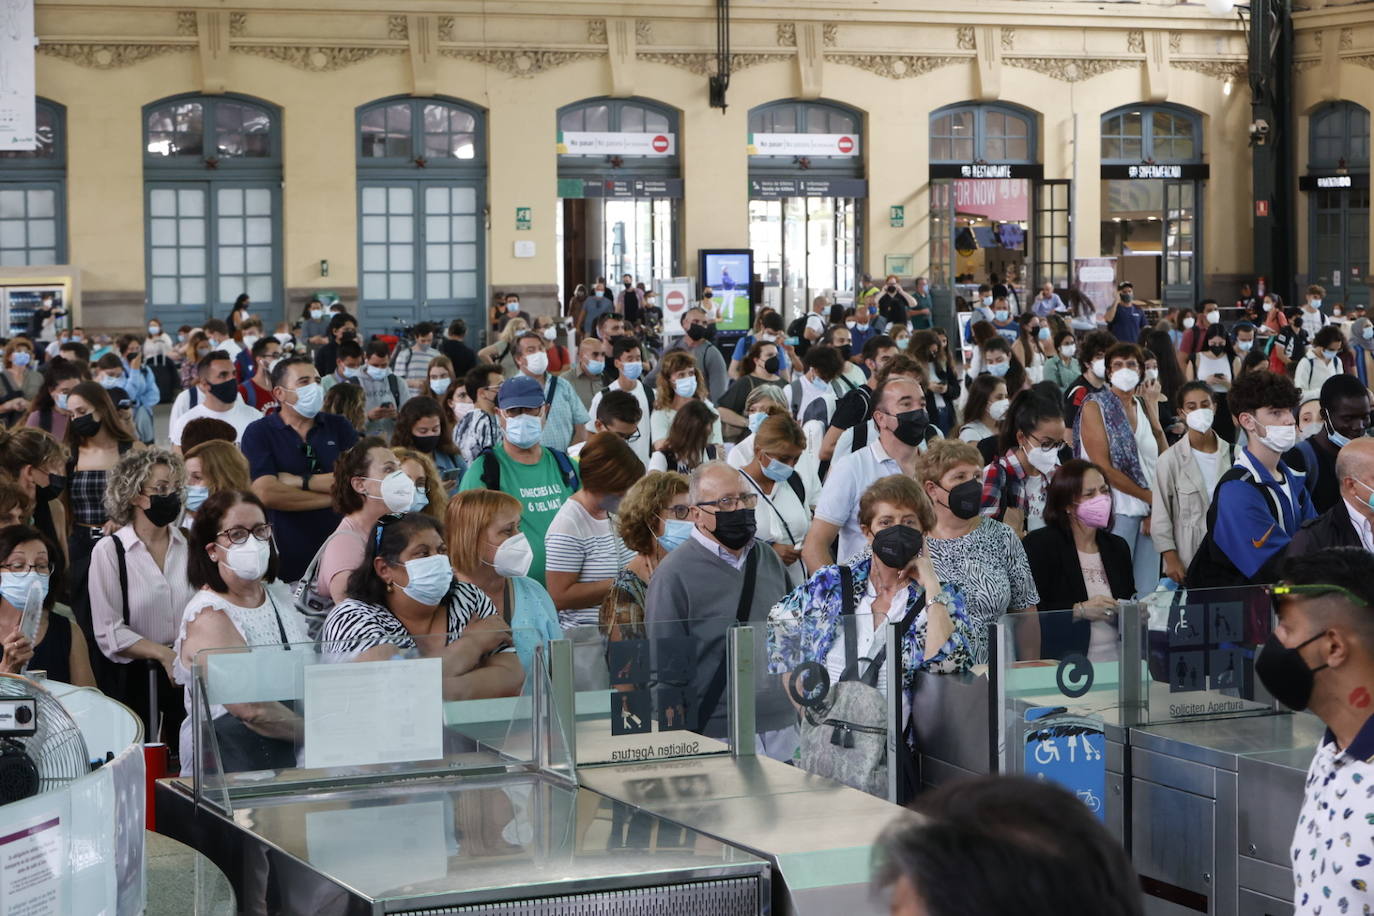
1070, 750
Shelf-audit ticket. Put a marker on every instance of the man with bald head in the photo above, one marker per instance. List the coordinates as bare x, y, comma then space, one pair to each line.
1347, 523
716, 577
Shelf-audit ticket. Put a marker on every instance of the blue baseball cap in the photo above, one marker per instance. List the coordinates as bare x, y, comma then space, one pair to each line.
521, 391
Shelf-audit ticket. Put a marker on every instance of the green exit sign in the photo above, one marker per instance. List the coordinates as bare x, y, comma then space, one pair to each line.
524, 217
896, 217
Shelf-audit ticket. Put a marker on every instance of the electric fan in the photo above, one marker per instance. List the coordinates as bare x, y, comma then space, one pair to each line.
41, 748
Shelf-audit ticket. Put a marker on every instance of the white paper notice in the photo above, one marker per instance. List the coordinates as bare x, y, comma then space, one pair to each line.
16, 76
32, 863
362, 713
379, 848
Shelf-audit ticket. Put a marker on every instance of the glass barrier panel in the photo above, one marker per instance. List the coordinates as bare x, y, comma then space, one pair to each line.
276, 716
1198, 653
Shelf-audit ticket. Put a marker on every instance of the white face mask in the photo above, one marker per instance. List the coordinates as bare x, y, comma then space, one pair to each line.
249, 560
1069, 350
397, 491
1200, 420
1043, 458
1214, 317
998, 409
1282, 438
1189, 323
1310, 430
1125, 379
551, 333
514, 557
1099, 368
1151, 375
536, 363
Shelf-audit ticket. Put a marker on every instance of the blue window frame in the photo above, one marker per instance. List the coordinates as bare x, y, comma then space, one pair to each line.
422, 172
1338, 137
33, 194
631, 116
1151, 133
976, 132
212, 194
797, 117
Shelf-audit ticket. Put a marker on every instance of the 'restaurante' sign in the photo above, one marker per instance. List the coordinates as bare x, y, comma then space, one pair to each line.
841, 145
586, 143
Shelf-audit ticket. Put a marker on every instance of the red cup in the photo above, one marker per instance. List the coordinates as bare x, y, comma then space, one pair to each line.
155, 758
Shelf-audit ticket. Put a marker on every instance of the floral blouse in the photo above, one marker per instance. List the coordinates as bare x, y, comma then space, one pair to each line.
803, 626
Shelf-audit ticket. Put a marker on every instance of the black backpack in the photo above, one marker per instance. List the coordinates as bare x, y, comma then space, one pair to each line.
1211, 567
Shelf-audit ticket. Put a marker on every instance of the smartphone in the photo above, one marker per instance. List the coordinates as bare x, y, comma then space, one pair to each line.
793, 341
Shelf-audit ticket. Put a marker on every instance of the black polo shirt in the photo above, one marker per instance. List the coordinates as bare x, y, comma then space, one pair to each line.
272, 448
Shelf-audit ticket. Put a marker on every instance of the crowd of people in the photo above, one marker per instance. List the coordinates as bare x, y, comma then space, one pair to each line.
576, 478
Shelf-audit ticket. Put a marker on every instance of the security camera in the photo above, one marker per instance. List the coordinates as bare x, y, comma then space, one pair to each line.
1259, 131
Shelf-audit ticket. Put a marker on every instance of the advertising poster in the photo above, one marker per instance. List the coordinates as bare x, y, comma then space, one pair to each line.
728, 273
17, 128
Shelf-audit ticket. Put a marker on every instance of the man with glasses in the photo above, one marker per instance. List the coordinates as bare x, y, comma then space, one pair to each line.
900, 416
718, 577
291, 456
627, 354
1320, 656
618, 412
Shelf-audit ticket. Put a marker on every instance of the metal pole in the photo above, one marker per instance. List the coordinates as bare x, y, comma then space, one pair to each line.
564, 695
895, 725
740, 646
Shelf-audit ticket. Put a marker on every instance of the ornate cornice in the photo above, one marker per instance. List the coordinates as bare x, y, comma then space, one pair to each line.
398, 28
238, 25
108, 56
787, 34
896, 66
1008, 39
1135, 41
703, 63
596, 32
317, 59
186, 24
1360, 60
965, 40
1069, 70
520, 63
1216, 69
447, 29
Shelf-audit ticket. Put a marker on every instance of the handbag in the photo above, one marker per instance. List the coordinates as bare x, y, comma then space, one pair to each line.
307, 598
844, 738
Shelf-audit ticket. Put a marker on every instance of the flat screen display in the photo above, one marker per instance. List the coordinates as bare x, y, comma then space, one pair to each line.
728, 272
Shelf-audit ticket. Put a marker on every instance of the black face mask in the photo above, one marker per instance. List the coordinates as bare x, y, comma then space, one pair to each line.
56, 484
845, 351
966, 499
163, 510
1284, 674
426, 444
627, 286
912, 426
86, 426
771, 365
226, 391
698, 332
897, 546
1127, 297
1217, 350
736, 528
891, 289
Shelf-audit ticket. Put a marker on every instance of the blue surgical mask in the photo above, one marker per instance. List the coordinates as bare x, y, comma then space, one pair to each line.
1336, 438
377, 373
596, 366
777, 471
633, 371
196, 495
21, 357
1043, 333
674, 533
903, 343
110, 381
14, 587
309, 399
350, 371
998, 370
1001, 315
420, 501
440, 385
523, 431
820, 383
1330, 354
61, 401
685, 387
756, 420
1369, 500
430, 579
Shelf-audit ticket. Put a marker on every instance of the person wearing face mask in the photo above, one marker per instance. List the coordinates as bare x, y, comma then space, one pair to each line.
1119, 431
430, 498
1318, 658
1343, 418
1323, 360
760, 366
511, 310
240, 600
256, 392
439, 380
1215, 363
291, 456
211, 466
488, 550
1079, 564
1125, 320
679, 381
768, 327
219, 398
987, 404
998, 360
865, 322
566, 416
20, 381
811, 397
37, 463
627, 358
763, 402
897, 306
1347, 523
1314, 318
1062, 368
854, 408
29, 561
696, 342
1029, 349
597, 303
385, 392
1092, 360
479, 425
982, 305
314, 325
49, 411
249, 334
412, 363
1362, 350
541, 478
654, 519
584, 553
423, 425
1004, 322
782, 515
96, 438
138, 584
1185, 477
716, 578
1029, 446
1259, 503
981, 557
588, 374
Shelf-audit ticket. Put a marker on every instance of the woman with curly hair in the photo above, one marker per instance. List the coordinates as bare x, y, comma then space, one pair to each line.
138, 579
653, 519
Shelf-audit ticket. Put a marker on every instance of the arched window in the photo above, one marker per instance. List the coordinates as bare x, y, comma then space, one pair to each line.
421, 195
212, 181
640, 117
983, 133
1151, 133
33, 200
1339, 137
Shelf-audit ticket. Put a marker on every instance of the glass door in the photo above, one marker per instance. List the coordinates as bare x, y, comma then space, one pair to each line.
765, 237
1339, 254
1050, 234
942, 269
637, 239
1180, 238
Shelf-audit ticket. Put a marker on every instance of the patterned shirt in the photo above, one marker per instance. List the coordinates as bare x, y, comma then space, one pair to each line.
566, 412
804, 625
354, 626
477, 432
1333, 851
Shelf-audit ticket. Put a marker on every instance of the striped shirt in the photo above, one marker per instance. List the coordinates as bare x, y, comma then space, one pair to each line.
354, 626
589, 547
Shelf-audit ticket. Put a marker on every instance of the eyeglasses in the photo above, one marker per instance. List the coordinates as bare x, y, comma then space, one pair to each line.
239, 534
730, 503
162, 489
681, 513
632, 437
43, 568
1040, 443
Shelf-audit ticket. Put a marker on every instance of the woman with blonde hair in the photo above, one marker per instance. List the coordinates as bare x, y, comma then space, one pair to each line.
653, 519
502, 352
782, 514
488, 550
212, 466
348, 402
439, 379
430, 496
38, 464
679, 381
197, 345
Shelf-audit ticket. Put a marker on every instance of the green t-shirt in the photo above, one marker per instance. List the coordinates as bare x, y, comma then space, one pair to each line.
540, 489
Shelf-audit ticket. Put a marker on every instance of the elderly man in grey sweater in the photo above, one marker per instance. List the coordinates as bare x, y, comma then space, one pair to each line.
696, 593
